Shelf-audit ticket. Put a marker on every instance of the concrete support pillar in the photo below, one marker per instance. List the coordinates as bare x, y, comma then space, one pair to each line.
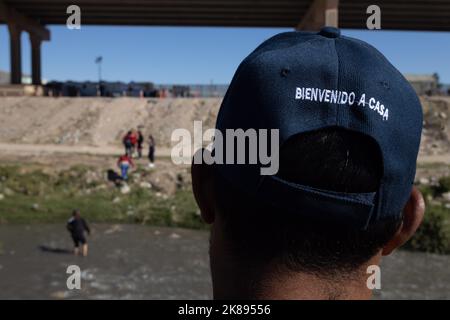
35, 59
16, 57
321, 13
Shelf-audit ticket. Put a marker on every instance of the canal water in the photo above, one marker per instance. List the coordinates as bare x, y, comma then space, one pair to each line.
141, 262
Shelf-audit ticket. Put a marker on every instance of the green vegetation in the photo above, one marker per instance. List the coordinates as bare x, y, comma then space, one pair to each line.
434, 233
38, 197
444, 185
34, 196
436, 191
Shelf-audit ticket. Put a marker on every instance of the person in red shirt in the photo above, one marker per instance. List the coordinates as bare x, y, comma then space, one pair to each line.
124, 162
133, 139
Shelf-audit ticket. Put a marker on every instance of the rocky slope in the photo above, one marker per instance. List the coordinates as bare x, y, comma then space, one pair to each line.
103, 121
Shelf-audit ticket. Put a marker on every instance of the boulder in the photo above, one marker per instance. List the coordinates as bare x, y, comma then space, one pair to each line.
125, 189
446, 196
145, 185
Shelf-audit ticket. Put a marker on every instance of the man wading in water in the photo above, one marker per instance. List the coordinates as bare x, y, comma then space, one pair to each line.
77, 227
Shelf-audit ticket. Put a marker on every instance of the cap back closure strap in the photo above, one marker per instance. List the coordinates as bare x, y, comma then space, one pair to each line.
354, 209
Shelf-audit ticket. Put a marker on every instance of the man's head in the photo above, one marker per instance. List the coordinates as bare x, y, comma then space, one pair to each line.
76, 213
259, 242
349, 127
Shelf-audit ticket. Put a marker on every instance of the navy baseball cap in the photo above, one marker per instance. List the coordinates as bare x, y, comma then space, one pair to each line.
298, 82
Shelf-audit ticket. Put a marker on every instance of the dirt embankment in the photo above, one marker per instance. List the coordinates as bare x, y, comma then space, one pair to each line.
436, 126
98, 122
101, 122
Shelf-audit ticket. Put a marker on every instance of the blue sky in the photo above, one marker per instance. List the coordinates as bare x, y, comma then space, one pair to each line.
198, 55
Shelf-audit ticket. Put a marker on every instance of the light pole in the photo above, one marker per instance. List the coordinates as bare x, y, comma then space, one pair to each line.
98, 61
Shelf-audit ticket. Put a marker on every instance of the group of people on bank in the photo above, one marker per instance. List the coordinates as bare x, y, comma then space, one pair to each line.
133, 142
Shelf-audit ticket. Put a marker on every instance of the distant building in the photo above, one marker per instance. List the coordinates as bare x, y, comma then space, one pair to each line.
195, 90
5, 78
181, 91
132, 89
445, 89
424, 84
119, 89
105, 89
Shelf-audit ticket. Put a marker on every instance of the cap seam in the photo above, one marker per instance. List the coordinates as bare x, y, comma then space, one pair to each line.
337, 80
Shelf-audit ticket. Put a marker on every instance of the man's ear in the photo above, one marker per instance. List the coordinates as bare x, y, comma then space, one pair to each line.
202, 185
412, 218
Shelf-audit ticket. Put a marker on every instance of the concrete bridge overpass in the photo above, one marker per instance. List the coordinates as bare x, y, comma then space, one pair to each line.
32, 16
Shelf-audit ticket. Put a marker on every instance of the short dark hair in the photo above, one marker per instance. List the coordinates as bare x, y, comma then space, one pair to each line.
331, 159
